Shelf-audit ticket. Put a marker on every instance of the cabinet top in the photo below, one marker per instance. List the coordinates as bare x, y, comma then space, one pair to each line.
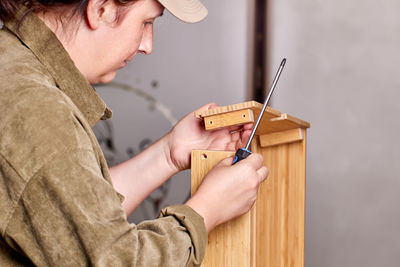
237, 114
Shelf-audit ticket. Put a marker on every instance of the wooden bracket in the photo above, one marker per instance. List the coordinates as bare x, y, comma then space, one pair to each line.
242, 113
283, 137
237, 117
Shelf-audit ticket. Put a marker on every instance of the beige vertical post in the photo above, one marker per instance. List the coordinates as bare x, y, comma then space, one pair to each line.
272, 233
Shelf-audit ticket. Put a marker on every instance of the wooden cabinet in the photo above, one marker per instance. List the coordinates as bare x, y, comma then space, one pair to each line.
272, 233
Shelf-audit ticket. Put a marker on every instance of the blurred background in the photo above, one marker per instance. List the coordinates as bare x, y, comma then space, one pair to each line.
342, 76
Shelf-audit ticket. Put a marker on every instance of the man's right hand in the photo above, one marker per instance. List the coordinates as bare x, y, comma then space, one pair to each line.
228, 191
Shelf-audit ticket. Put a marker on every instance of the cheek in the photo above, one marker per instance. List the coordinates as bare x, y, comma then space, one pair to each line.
122, 44
132, 33
121, 49
134, 43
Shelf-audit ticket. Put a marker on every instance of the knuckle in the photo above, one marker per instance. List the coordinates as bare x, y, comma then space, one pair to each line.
253, 183
265, 172
258, 158
253, 200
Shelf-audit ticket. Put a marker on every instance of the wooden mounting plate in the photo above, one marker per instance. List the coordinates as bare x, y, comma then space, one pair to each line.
247, 112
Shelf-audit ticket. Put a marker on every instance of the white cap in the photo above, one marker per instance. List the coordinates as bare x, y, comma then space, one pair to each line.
190, 11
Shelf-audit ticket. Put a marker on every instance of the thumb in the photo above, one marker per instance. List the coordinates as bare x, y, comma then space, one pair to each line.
207, 107
226, 161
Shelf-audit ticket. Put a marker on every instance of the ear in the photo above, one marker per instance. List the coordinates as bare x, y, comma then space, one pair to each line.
100, 11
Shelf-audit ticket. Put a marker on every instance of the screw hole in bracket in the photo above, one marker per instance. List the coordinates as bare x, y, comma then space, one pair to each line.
204, 156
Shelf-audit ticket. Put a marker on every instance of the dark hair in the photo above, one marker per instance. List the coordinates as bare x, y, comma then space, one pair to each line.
9, 8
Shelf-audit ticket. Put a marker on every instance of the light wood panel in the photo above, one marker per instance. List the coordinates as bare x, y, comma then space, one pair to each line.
277, 138
280, 207
237, 117
282, 123
229, 243
272, 233
270, 112
272, 121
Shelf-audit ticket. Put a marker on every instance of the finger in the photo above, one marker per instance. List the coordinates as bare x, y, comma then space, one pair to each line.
212, 105
235, 136
263, 173
235, 128
231, 146
242, 127
226, 161
207, 107
239, 139
255, 160
245, 135
234, 144
248, 126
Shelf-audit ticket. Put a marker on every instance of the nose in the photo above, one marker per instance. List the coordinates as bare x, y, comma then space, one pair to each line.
146, 44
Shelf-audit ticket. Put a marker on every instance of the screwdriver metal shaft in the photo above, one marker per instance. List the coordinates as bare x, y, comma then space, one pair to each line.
243, 153
277, 75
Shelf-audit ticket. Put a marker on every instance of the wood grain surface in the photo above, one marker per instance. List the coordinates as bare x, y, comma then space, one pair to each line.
272, 233
229, 243
277, 138
272, 120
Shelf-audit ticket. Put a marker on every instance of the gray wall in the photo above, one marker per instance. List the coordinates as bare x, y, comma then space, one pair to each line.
343, 76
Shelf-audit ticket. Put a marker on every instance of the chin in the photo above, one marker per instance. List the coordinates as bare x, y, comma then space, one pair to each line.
106, 78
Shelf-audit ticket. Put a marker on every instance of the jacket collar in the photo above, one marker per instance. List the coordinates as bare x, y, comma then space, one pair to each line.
44, 44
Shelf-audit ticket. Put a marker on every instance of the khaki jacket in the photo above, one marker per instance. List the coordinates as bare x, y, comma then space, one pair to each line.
57, 203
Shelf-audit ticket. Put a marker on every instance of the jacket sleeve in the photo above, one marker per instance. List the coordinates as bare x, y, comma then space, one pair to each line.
68, 215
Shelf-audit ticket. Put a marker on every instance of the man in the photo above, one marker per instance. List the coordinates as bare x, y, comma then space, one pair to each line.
60, 203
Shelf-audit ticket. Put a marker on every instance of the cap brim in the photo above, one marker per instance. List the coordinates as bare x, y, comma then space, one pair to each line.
190, 11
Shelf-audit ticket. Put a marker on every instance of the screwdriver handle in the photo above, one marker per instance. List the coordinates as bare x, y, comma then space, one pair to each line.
241, 154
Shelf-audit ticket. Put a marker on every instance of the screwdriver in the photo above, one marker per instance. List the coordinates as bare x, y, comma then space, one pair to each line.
243, 153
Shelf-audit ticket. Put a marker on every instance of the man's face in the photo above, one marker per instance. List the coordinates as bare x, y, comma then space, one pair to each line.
122, 40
